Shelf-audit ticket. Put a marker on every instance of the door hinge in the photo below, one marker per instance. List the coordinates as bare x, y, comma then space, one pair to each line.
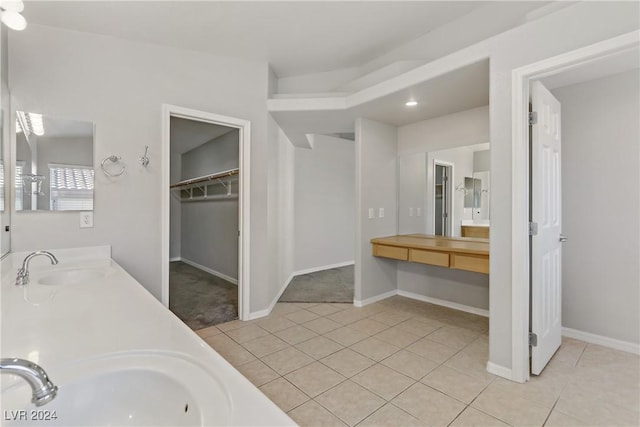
533, 228
533, 339
533, 118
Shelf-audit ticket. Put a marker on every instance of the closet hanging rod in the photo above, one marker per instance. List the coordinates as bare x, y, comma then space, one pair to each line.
230, 172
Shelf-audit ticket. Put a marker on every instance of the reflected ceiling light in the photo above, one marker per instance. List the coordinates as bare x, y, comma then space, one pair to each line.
10, 14
411, 103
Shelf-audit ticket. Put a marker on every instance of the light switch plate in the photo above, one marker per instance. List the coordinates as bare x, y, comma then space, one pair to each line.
86, 219
371, 213
381, 212
410, 211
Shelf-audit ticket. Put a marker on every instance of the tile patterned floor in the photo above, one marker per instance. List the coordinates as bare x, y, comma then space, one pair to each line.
401, 362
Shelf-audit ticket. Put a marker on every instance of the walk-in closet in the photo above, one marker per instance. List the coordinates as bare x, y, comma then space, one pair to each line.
203, 250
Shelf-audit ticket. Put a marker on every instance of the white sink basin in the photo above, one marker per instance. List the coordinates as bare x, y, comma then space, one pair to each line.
127, 389
71, 276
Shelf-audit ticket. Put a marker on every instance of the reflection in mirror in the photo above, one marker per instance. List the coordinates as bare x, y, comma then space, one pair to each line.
440, 191
54, 164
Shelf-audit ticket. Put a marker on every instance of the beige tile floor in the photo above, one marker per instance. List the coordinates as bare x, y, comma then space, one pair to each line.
401, 362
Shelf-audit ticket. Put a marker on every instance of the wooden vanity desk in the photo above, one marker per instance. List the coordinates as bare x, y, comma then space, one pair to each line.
460, 253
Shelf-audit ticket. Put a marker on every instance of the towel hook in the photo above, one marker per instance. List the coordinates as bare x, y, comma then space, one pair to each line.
144, 160
112, 159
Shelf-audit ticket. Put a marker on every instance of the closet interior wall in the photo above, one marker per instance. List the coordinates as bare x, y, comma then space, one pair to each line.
204, 233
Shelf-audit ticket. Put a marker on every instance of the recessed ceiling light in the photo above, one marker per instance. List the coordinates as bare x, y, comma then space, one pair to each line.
411, 103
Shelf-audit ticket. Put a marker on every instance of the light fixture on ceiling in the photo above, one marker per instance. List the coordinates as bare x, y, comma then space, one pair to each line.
411, 103
10, 14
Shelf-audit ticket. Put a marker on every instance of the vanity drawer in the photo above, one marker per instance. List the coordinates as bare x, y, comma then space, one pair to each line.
429, 257
477, 263
391, 252
471, 231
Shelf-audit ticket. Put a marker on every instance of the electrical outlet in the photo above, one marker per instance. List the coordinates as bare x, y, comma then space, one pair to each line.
86, 219
381, 212
371, 213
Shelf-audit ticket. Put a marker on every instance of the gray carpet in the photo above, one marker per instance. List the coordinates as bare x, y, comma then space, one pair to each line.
334, 285
200, 299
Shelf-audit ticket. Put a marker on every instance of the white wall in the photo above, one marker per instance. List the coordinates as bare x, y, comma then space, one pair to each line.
120, 86
570, 28
286, 210
209, 229
412, 194
600, 203
453, 130
324, 203
376, 184
441, 138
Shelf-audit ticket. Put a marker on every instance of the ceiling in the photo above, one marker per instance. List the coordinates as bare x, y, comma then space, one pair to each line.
459, 90
295, 37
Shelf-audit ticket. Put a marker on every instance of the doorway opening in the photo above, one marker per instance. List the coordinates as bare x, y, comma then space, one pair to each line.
205, 267
442, 199
523, 311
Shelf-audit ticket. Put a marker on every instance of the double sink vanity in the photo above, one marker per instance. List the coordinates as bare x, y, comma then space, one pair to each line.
116, 355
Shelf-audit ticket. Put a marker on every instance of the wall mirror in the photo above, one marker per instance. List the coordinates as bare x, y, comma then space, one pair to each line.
54, 164
440, 191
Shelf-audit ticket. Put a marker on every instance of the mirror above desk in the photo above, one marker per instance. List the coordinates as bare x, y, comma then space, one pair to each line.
445, 192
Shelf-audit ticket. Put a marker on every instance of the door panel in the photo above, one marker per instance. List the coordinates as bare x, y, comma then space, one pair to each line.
546, 211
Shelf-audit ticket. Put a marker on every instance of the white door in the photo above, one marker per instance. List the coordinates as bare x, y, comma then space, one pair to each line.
546, 210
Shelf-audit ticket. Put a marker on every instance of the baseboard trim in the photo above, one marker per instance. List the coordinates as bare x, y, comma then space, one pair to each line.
362, 303
175, 259
499, 370
629, 347
263, 313
444, 303
323, 267
210, 271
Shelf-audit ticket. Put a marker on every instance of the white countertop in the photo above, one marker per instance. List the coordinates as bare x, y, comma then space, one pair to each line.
57, 325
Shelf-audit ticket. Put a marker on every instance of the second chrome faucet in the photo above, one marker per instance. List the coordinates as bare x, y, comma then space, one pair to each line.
23, 273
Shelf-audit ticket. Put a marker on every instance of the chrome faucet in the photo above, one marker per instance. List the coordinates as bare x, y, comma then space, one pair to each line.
23, 273
44, 391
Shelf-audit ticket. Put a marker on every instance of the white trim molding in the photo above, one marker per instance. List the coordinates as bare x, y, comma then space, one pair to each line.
627, 346
445, 303
362, 303
210, 271
498, 370
322, 268
267, 311
244, 218
521, 79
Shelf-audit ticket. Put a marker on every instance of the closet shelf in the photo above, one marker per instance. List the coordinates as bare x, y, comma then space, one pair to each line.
184, 190
198, 182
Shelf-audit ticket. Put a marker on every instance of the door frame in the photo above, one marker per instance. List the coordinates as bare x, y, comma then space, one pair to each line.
449, 196
244, 218
521, 79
